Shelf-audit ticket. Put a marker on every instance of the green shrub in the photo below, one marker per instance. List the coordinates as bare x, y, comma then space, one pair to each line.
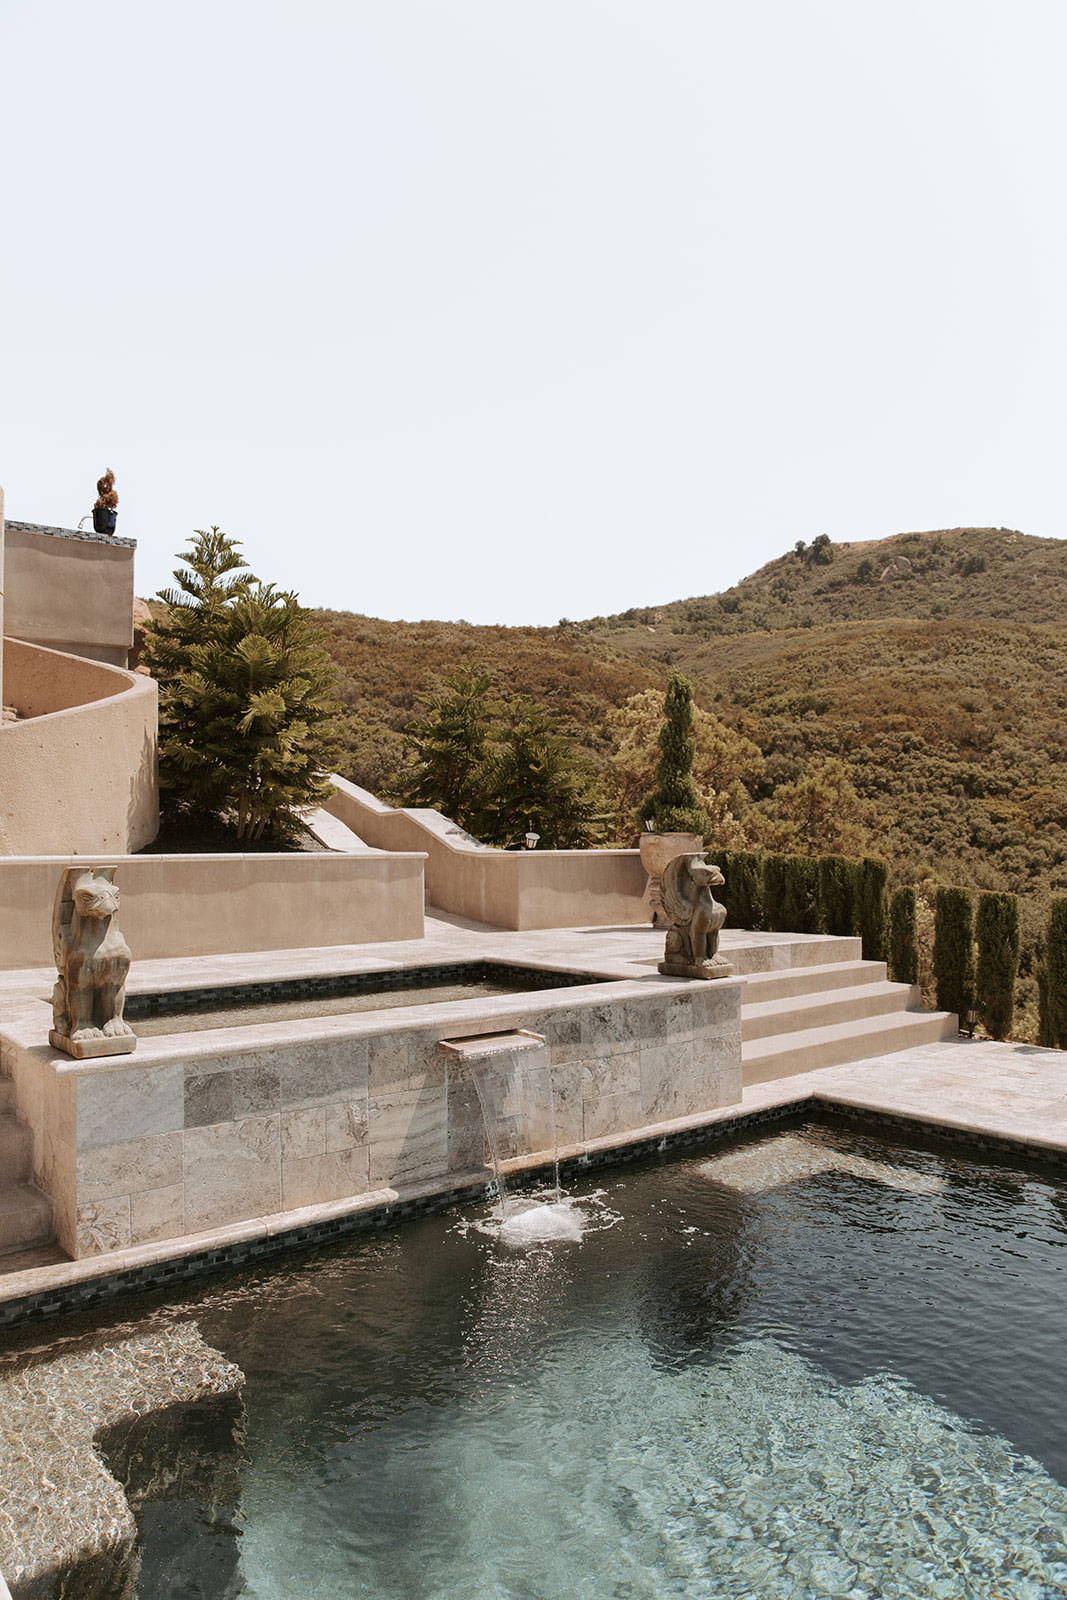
743, 895
1052, 978
996, 930
838, 895
903, 937
791, 894
874, 908
954, 951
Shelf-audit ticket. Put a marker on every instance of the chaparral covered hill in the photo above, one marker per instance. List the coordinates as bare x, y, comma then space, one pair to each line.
934, 664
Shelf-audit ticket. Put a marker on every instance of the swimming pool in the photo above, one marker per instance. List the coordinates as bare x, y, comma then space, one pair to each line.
813, 1364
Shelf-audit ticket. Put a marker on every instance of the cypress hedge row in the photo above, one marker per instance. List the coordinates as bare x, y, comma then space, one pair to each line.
903, 938
791, 894
954, 951
874, 909
839, 895
743, 894
1052, 978
808, 894
996, 931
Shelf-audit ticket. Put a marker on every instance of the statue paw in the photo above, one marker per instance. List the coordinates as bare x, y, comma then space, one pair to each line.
81, 1034
117, 1029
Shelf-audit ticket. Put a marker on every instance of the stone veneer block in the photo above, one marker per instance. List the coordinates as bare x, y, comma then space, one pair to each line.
567, 1101
208, 1098
611, 1095
157, 1214
401, 1063
256, 1091
408, 1136
128, 1103
107, 1170
466, 1128
102, 1225
609, 1029
232, 1171
303, 1133
332, 1175
346, 1124
315, 1074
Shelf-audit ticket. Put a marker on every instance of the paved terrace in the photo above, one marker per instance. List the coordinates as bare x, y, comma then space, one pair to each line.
1001, 1092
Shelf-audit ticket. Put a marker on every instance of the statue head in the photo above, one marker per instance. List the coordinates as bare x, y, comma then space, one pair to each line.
703, 872
95, 894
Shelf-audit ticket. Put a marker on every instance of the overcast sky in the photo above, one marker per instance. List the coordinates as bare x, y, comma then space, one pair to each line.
467, 308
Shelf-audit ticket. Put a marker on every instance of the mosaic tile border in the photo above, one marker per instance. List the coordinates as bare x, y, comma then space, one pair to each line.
248, 1252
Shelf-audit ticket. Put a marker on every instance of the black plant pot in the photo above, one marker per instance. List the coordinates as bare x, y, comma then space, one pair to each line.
104, 519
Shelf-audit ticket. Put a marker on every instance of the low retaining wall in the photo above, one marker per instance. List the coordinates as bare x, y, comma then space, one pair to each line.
519, 889
202, 1131
221, 904
79, 773
70, 589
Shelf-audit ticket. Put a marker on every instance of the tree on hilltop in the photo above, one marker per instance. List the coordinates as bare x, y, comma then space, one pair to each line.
246, 718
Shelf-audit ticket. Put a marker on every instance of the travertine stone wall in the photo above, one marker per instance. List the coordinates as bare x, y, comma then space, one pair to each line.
201, 1132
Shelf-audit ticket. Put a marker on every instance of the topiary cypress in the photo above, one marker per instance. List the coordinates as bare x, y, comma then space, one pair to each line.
837, 895
996, 930
903, 937
674, 804
1052, 978
743, 894
954, 951
874, 908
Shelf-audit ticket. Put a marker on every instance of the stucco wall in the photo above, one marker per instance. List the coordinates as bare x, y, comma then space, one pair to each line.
505, 888
69, 591
79, 775
217, 904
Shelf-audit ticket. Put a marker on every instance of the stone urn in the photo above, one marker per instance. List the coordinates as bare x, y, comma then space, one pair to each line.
656, 850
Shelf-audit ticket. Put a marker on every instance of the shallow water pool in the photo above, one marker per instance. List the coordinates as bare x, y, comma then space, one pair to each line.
813, 1365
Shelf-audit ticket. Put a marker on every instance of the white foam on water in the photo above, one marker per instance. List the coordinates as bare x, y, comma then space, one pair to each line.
525, 1220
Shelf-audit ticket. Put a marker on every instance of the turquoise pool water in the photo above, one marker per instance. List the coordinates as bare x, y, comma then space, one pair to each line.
816, 1366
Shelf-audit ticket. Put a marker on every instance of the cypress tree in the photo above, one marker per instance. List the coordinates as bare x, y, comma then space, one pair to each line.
1052, 978
837, 895
743, 894
534, 781
954, 951
791, 894
247, 729
674, 804
996, 928
903, 937
873, 908
451, 746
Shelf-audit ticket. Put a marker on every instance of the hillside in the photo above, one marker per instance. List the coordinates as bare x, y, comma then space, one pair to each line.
942, 682
990, 573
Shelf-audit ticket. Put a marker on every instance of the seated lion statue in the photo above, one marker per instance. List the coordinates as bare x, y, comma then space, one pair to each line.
695, 917
92, 958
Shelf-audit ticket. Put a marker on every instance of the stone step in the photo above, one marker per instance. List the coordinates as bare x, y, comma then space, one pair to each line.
762, 986
824, 1008
16, 1149
25, 1218
786, 951
785, 1054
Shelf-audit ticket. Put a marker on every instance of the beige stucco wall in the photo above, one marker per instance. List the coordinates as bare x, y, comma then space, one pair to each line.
69, 591
519, 889
2, 541
79, 774
217, 904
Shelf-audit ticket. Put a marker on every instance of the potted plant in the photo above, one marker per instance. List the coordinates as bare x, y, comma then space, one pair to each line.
672, 819
105, 511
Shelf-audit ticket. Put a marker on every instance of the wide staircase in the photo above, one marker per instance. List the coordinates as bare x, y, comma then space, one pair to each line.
26, 1231
796, 1019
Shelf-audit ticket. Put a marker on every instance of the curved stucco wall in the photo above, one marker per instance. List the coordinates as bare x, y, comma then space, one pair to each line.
78, 773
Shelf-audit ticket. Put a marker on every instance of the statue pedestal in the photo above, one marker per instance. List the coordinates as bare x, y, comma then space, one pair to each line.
718, 968
81, 1049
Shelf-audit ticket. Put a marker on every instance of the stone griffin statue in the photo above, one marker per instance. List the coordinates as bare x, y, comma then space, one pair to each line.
92, 961
694, 919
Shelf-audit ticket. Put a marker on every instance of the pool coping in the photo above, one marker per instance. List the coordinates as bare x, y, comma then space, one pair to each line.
57, 1289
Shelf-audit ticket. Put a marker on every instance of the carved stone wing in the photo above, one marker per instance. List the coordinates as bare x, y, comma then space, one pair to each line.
62, 914
677, 890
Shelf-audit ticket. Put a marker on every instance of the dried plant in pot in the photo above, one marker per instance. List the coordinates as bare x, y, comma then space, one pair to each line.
105, 511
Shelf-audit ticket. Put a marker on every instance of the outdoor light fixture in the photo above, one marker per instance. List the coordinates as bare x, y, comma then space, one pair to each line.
969, 1021
531, 840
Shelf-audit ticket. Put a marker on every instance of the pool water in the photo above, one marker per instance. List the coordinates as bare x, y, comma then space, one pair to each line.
814, 1365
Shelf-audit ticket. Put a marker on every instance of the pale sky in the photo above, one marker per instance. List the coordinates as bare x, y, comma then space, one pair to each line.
466, 308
